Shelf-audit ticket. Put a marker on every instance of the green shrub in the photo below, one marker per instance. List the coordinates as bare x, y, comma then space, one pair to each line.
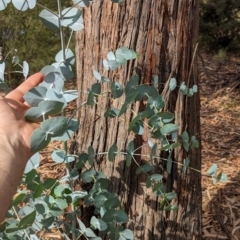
220, 24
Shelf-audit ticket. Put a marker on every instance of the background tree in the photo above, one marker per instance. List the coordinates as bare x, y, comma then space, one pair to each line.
31, 39
220, 24
164, 34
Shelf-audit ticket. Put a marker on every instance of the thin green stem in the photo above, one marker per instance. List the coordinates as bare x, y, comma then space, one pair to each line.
75, 111
69, 39
61, 28
71, 181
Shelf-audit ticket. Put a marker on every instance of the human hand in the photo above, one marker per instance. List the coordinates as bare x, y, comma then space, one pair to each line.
12, 111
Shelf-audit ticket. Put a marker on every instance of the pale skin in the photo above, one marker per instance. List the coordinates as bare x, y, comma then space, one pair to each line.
15, 133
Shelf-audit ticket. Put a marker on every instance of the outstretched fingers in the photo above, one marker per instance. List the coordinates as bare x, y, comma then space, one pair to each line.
31, 82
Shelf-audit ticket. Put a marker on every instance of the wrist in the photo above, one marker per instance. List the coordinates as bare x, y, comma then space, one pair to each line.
13, 148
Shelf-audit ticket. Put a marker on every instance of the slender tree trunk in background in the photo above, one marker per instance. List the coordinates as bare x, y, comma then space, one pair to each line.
164, 34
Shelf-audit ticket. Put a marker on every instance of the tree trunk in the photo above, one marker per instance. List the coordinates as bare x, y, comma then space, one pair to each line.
164, 34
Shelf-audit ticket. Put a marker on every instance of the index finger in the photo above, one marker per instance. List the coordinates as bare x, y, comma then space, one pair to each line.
29, 83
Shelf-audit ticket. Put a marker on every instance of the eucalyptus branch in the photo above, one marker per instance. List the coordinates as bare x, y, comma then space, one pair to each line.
61, 28
18, 218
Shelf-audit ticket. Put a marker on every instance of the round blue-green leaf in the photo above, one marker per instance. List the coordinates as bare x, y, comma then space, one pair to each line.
70, 95
159, 189
65, 70
72, 126
25, 69
41, 208
70, 59
166, 116
90, 99
70, 16
48, 69
155, 122
111, 113
39, 140
113, 64
185, 164
74, 174
105, 64
183, 88
169, 128
185, 136
195, 142
32, 163
111, 56
55, 95
172, 84
170, 196
112, 152
49, 183
61, 203
98, 224
138, 128
49, 107
83, 3
34, 96
81, 225
47, 222
58, 156
23, 5
89, 233
102, 183
100, 199
171, 208
2, 70
213, 169
97, 75
112, 201
190, 92
88, 175
83, 157
115, 215
132, 85
156, 177
116, 89
222, 177
78, 25
130, 149
195, 88
156, 102
54, 126
145, 168
49, 19
96, 88
127, 234
34, 114
144, 92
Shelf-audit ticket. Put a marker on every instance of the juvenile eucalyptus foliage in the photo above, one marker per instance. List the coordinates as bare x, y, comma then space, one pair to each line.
42, 204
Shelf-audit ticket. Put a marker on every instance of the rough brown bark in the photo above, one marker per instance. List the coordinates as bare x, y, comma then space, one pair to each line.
164, 34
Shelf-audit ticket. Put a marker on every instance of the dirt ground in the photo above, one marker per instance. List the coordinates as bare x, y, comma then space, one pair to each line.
220, 128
